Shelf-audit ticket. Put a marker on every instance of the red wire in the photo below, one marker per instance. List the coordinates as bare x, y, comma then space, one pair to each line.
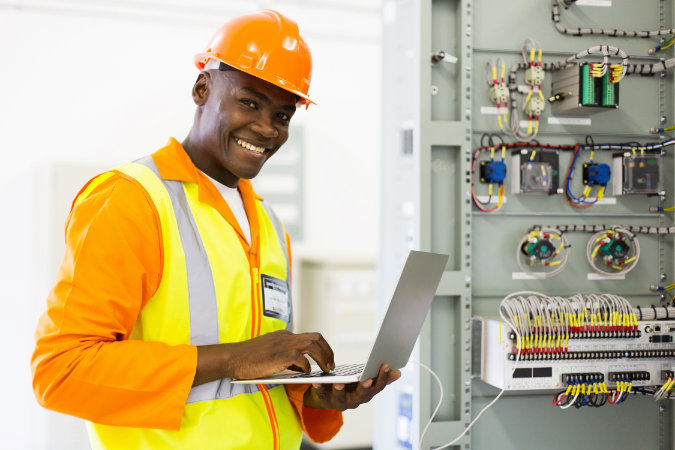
615, 399
512, 146
559, 400
567, 195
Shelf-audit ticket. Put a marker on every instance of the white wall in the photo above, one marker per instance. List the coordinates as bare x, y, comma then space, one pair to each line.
105, 83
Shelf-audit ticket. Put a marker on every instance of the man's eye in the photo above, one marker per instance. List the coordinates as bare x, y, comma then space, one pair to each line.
249, 103
283, 116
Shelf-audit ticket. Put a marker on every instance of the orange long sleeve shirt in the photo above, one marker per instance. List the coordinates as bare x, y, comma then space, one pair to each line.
84, 364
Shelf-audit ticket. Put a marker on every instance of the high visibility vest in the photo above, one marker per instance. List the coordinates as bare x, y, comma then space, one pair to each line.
205, 297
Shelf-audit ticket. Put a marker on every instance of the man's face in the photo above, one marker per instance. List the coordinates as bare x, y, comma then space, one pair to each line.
243, 122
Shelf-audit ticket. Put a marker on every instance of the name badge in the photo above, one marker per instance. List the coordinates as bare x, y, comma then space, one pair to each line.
276, 301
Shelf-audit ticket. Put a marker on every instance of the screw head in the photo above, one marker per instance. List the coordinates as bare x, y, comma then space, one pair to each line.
662, 408
434, 90
663, 119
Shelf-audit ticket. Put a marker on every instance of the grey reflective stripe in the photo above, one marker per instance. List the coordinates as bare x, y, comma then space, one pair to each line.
201, 289
203, 305
281, 236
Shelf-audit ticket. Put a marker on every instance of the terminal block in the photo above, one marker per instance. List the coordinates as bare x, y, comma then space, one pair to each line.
572, 378
499, 93
628, 376
534, 76
581, 93
665, 374
535, 107
638, 174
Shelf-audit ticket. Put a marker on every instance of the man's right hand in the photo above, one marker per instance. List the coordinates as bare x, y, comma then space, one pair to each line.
262, 356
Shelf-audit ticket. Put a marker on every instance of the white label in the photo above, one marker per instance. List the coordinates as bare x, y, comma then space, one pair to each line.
597, 277
276, 302
524, 88
494, 199
491, 110
604, 201
569, 121
523, 276
525, 123
605, 3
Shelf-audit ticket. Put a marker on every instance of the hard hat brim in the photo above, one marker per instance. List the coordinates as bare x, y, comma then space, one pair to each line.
201, 59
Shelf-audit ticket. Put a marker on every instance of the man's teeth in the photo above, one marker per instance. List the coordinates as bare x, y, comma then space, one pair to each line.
250, 147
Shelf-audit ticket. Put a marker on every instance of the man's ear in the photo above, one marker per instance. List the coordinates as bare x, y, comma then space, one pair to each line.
202, 88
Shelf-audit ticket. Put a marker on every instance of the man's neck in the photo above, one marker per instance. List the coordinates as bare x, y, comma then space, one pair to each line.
209, 167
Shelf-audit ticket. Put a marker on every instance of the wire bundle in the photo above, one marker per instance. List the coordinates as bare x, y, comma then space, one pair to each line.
593, 31
663, 392
583, 393
617, 235
545, 236
545, 324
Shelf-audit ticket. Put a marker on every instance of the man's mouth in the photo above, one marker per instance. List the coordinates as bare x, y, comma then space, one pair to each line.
249, 146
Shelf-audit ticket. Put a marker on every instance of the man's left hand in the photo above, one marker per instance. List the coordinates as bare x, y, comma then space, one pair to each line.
350, 396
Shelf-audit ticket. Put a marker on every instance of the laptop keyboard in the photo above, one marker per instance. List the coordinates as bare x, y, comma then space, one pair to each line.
341, 370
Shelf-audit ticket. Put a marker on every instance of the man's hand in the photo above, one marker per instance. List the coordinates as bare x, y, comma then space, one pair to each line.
262, 356
350, 396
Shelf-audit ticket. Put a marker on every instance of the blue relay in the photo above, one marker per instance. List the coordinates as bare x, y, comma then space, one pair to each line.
598, 173
493, 172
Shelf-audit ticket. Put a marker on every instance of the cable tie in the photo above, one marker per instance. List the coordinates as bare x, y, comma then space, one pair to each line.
666, 308
655, 315
640, 311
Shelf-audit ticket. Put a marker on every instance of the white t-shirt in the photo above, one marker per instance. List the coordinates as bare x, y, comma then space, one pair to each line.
236, 203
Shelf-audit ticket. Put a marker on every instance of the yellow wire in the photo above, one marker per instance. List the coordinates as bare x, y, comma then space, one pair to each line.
503, 69
532, 55
541, 50
529, 127
503, 151
534, 152
536, 130
492, 153
494, 74
499, 120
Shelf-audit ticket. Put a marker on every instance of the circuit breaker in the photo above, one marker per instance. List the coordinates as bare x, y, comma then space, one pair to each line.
537, 174
638, 174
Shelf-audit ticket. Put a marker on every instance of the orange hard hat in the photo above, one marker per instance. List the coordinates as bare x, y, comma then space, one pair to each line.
267, 45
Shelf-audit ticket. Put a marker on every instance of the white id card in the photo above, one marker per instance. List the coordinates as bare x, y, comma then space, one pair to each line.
276, 301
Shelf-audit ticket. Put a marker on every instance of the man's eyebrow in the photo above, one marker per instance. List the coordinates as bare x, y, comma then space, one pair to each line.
260, 96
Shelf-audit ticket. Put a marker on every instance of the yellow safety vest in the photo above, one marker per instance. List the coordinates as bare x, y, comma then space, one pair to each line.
204, 298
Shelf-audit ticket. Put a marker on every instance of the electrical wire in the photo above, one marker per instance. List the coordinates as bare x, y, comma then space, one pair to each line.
623, 266
593, 31
563, 250
515, 366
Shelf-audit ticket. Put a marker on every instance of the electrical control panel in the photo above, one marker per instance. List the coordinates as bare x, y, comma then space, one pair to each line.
639, 174
585, 139
637, 354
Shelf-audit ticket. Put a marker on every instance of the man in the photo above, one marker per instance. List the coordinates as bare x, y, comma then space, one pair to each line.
176, 276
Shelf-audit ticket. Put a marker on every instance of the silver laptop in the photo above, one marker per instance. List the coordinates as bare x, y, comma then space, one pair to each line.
399, 330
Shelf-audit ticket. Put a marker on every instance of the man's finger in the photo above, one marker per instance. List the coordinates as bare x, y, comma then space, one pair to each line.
361, 392
324, 395
393, 376
380, 382
328, 351
313, 349
296, 358
339, 396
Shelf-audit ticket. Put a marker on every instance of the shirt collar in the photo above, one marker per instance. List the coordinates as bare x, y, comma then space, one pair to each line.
175, 164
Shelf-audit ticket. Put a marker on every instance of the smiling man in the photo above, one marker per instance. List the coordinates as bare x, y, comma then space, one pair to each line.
165, 291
